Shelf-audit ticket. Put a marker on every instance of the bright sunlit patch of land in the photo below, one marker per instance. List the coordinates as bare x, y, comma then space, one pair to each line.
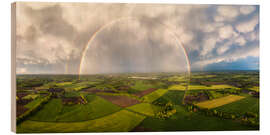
201, 87
219, 101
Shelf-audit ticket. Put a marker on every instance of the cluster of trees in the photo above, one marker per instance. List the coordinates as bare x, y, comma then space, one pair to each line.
248, 118
167, 110
83, 98
26, 84
212, 94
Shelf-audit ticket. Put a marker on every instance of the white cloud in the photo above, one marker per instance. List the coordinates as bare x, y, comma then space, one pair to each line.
47, 47
226, 32
248, 26
209, 44
229, 12
223, 49
247, 9
21, 70
240, 40
252, 36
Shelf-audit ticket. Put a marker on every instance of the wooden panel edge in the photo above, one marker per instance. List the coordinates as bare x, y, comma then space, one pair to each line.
13, 67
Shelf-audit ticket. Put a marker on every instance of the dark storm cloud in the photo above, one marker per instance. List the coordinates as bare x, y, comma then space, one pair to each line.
50, 21
55, 34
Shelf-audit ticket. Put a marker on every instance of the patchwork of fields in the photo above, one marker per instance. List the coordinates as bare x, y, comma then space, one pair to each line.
121, 121
55, 111
115, 103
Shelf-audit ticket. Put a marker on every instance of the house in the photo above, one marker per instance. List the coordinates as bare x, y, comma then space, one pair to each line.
56, 92
73, 100
254, 94
189, 99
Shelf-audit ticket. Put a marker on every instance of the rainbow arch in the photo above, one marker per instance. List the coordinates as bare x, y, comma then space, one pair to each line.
86, 47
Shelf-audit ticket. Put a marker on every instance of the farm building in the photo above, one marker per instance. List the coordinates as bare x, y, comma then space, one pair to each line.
197, 98
73, 100
21, 94
254, 94
56, 92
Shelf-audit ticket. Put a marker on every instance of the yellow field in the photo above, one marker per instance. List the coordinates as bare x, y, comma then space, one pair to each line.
255, 88
64, 83
201, 87
177, 78
31, 96
203, 76
219, 102
177, 87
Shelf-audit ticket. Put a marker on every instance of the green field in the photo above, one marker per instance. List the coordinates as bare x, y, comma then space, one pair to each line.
121, 121
141, 85
49, 112
248, 104
145, 109
31, 96
33, 103
55, 111
186, 121
154, 95
174, 97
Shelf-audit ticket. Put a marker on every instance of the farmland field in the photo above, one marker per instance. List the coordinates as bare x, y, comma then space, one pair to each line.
183, 121
240, 107
119, 121
255, 88
154, 95
138, 102
55, 111
219, 102
201, 87
145, 109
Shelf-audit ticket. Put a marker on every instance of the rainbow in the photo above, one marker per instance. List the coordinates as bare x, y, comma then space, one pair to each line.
121, 19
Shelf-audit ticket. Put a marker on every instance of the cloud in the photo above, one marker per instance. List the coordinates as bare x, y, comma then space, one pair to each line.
240, 40
251, 50
209, 45
226, 32
21, 70
248, 63
252, 36
248, 26
226, 13
247, 9
52, 36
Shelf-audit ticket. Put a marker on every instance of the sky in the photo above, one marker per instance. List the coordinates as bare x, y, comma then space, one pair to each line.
89, 38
